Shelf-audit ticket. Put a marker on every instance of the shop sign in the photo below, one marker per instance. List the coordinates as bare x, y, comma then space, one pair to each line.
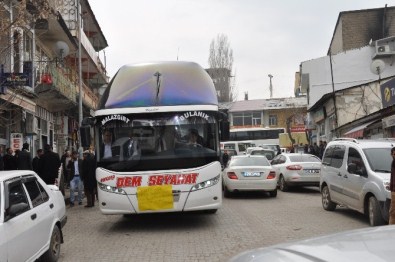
14, 79
298, 129
388, 93
16, 141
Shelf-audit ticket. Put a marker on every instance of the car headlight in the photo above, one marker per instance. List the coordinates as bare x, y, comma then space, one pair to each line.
206, 184
111, 189
386, 184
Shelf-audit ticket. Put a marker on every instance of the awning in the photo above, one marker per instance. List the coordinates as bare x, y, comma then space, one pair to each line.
357, 132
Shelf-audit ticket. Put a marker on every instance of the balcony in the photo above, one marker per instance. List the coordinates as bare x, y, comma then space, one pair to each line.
56, 90
89, 99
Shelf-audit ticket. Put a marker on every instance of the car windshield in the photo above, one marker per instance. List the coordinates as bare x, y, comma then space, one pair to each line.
249, 161
304, 158
379, 159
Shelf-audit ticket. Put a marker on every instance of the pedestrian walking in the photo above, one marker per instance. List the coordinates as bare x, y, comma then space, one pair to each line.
49, 165
392, 189
75, 171
24, 160
9, 160
66, 157
89, 177
36, 161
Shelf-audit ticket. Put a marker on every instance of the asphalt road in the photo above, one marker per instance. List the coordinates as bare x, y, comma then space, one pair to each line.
245, 221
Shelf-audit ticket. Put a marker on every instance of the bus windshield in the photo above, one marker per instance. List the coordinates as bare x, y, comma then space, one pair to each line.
157, 141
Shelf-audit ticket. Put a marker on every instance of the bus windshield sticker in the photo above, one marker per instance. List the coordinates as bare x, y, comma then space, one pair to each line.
194, 113
115, 117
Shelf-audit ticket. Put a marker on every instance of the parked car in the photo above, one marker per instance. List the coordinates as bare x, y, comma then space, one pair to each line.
239, 146
32, 215
249, 149
366, 244
268, 153
296, 169
275, 148
249, 173
356, 174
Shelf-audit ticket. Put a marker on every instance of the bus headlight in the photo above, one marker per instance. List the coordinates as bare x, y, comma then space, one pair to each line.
206, 184
111, 189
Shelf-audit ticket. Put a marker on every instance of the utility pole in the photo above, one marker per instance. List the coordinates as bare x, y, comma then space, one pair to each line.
270, 86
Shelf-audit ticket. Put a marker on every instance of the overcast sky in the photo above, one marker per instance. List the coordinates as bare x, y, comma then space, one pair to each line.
267, 37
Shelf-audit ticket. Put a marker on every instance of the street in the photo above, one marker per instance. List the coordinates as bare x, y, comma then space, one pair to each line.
246, 221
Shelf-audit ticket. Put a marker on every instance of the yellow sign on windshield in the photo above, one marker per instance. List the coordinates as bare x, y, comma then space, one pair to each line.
155, 197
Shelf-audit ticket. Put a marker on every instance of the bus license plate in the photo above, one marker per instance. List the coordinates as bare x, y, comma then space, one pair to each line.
251, 174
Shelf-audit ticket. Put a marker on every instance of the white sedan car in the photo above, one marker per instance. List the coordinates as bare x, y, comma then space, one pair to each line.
249, 173
32, 215
296, 169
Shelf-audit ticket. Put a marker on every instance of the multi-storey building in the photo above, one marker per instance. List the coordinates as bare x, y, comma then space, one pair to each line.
287, 113
346, 88
57, 52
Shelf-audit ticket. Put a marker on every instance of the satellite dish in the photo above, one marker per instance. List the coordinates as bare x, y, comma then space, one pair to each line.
377, 66
61, 49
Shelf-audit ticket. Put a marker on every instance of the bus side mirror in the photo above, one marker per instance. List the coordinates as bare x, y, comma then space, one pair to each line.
85, 133
224, 128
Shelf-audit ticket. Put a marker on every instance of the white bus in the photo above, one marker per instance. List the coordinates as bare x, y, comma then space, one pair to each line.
150, 113
258, 136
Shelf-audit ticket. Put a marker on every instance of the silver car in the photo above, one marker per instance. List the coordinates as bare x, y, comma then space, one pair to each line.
249, 173
296, 169
366, 244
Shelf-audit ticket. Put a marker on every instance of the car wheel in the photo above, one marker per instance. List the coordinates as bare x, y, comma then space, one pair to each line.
282, 184
273, 193
52, 254
227, 193
375, 217
327, 203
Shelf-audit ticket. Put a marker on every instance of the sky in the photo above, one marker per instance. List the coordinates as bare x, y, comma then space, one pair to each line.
267, 37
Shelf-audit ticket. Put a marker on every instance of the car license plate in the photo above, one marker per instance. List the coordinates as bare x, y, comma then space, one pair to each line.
311, 171
251, 174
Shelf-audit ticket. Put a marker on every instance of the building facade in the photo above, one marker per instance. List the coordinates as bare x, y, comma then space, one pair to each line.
47, 58
345, 88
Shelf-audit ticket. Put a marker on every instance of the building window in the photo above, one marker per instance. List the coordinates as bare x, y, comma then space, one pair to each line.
247, 119
256, 118
272, 120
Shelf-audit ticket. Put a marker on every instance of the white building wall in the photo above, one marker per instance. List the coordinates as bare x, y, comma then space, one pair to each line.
350, 68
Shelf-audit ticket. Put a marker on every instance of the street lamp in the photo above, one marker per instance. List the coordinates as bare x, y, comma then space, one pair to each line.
270, 86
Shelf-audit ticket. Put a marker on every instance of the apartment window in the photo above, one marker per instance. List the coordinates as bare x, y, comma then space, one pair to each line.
252, 118
256, 118
272, 120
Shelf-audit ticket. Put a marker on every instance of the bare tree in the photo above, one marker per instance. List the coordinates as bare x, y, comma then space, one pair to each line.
221, 68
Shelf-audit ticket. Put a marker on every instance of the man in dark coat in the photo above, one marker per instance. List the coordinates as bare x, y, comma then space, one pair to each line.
24, 160
9, 160
49, 165
89, 177
36, 161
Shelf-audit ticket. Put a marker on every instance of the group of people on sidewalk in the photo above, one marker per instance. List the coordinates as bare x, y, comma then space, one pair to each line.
78, 174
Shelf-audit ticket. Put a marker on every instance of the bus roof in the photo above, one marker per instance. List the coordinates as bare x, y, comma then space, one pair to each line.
159, 84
